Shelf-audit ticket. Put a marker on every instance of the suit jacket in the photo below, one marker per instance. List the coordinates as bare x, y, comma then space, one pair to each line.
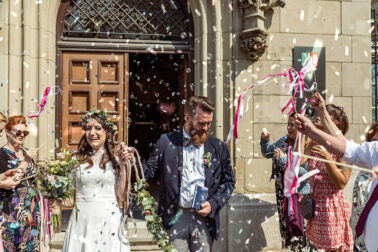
167, 157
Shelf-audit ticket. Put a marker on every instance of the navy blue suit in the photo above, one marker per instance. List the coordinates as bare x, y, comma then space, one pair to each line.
167, 157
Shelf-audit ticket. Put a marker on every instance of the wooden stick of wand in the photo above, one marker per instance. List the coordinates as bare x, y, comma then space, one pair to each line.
333, 162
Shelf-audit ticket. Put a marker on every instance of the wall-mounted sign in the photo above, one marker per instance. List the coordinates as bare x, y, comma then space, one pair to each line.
317, 55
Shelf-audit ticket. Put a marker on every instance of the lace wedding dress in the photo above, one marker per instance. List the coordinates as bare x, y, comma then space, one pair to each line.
97, 223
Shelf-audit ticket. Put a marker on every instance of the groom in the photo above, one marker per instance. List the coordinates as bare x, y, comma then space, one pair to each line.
185, 159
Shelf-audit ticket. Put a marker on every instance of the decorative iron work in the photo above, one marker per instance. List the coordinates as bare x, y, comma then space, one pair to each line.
127, 19
374, 63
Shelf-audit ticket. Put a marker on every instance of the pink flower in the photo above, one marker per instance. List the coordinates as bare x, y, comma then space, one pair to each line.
206, 161
50, 178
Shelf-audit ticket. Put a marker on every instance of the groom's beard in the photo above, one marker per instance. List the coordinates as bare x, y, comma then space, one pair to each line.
197, 137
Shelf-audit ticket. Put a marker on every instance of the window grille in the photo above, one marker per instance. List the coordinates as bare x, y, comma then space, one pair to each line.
128, 19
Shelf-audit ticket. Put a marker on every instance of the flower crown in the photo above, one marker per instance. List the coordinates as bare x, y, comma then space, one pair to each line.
103, 116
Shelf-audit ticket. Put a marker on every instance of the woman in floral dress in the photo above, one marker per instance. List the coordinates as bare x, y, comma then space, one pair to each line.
20, 215
278, 151
329, 229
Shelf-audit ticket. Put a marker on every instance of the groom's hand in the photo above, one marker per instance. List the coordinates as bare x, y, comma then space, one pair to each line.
206, 209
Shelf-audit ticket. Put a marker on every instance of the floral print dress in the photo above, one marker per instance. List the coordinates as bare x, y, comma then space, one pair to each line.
293, 243
329, 229
20, 214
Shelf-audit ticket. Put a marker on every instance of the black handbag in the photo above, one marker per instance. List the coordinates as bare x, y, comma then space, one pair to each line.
307, 205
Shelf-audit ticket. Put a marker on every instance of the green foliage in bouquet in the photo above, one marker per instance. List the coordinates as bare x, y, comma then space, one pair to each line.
154, 222
56, 179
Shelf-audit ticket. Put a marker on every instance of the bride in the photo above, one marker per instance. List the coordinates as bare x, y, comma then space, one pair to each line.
100, 180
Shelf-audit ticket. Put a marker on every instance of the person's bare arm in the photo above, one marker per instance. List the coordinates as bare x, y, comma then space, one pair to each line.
319, 105
335, 145
339, 176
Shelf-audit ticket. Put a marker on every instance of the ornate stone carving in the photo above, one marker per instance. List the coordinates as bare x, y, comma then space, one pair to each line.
253, 35
270, 4
254, 44
248, 3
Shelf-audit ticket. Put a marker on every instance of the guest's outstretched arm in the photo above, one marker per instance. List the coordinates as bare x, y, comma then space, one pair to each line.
333, 144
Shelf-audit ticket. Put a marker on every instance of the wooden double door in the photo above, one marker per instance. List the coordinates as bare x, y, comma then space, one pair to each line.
89, 81
144, 93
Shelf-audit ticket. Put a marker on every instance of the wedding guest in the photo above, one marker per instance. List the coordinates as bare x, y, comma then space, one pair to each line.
19, 206
361, 191
100, 182
365, 155
186, 159
7, 179
278, 151
328, 195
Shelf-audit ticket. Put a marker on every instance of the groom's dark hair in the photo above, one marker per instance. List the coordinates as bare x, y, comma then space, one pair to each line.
202, 102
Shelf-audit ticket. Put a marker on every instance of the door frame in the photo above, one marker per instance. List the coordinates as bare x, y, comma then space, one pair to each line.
64, 44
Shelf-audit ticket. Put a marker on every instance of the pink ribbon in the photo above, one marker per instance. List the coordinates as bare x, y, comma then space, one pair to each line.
41, 105
241, 100
45, 220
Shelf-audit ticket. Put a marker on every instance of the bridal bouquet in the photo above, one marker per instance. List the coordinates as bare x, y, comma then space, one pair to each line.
55, 181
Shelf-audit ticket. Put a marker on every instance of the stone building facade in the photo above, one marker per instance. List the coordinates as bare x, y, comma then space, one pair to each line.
223, 65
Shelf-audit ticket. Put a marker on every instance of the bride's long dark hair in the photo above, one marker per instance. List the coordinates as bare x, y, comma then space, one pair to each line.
85, 151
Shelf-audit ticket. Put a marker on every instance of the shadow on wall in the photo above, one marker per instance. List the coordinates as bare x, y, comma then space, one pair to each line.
250, 221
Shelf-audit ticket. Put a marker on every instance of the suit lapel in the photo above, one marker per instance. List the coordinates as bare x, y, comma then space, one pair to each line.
180, 144
208, 174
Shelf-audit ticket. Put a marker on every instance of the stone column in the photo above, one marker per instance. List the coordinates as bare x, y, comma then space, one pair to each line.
30, 68
4, 57
15, 57
47, 71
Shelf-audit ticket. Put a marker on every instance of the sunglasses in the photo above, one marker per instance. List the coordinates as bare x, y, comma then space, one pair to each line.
19, 132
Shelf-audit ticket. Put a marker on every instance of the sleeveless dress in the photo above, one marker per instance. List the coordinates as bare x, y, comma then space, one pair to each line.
20, 214
329, 229
95, 226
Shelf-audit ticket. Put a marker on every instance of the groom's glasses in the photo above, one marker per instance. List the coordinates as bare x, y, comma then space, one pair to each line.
19, 132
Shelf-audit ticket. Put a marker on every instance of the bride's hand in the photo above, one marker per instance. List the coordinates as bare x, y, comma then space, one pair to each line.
125, 153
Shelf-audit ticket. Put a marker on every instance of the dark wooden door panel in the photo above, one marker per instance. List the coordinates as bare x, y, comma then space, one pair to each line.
92, 80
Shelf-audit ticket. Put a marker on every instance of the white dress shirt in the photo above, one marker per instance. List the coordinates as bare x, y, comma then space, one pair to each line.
193, 172
366, 155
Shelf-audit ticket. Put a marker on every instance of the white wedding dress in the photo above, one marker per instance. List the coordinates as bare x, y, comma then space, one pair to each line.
98, 222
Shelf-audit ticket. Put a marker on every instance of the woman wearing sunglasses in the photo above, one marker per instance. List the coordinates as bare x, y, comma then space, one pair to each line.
7, 179
19, 206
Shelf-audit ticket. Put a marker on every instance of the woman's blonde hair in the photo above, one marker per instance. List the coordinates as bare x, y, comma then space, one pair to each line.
3, 118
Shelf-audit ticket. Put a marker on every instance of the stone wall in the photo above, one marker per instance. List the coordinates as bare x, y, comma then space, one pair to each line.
342, 27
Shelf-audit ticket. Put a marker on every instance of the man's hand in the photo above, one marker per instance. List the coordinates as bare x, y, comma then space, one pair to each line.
304, 124
206, 209
374, 172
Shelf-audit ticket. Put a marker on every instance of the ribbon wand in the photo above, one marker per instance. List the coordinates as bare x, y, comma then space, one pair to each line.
41, 105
